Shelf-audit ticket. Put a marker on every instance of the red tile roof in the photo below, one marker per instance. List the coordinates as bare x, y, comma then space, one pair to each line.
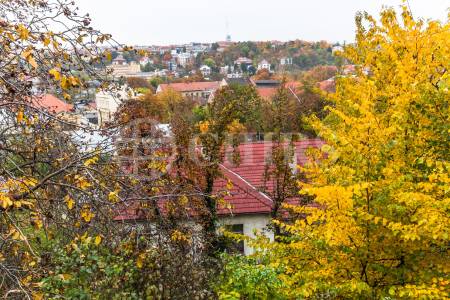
191, 86
328, 85
52, 104
266, 92
248, 177
243, 197
294, 85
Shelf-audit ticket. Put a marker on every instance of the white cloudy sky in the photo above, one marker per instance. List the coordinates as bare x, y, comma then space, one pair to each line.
148, 22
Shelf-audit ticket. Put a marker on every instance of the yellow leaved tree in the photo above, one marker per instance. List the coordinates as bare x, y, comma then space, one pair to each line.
380, 225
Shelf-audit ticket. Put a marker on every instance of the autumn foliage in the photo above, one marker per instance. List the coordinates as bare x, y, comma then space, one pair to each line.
78, 223
380, 226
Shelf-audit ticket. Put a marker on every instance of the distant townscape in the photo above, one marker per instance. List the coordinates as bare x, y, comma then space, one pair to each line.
197, 70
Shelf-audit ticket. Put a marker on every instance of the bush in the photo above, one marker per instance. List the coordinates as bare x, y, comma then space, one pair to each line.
244, 277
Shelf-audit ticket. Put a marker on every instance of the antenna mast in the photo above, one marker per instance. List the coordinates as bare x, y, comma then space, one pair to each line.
228, 36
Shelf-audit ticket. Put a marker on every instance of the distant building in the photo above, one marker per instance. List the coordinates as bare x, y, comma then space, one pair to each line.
223, 45
226, 70
336, 49
235, 81
145, 60
200, 91
161, 73
119, 60
235, 75
107, 103
52, 105
171, 65
197, 48
264, 64
89, 112
164, 49
184, 59
144, 75
205, 70
121, 68
286, 61
243, 61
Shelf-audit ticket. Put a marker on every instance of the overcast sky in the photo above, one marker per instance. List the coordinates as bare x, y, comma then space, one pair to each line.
146, 22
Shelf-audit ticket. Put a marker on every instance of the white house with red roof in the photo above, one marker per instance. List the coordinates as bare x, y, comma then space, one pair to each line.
248, 205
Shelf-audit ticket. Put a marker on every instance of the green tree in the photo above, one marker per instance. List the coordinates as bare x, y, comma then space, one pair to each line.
209, 62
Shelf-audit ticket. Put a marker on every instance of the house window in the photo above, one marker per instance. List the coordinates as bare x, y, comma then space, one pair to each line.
234, 246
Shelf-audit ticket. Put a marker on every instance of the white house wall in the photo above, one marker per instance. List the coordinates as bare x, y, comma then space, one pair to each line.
258, 222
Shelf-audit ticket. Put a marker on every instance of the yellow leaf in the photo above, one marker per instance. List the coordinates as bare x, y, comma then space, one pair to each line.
26, 53
74, 81
5, 201
64, 83
229, 185
204, 126
67, 96
140, 261
86, 214
83, 183
32, 61
108, 55
23, 32
69, 201
46, 41
98, 240
91, 161
66, 276
184, 200
19, 115
55, 73
38, 296
113, 197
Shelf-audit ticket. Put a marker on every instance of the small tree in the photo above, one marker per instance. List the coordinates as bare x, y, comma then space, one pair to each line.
233, 107
281, 168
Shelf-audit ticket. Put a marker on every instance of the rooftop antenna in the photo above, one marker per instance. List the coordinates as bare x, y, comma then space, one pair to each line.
228, 36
